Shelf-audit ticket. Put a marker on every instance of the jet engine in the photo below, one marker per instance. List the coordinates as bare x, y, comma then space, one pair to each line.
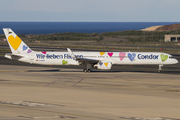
103, 65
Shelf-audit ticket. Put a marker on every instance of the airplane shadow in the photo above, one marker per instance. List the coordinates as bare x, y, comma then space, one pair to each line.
110, 71
171, 72
55, 70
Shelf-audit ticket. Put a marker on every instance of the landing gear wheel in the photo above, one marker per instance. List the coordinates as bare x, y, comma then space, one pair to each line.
84, 70
89, 70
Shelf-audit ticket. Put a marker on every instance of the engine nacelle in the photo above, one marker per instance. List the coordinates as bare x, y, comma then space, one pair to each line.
103, 65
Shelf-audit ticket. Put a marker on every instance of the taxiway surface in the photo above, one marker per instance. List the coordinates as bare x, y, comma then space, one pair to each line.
123, 93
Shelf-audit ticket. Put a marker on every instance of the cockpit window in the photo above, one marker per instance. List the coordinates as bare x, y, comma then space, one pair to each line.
171, 57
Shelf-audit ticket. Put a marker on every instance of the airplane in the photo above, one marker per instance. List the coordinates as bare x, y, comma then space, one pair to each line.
99, 60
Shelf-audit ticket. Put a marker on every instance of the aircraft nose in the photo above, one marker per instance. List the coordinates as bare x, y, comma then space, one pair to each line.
176, 61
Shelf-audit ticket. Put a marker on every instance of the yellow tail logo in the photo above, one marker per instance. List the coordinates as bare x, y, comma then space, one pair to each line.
14, 42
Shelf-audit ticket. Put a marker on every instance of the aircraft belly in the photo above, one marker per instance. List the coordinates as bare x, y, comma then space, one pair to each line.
24, 59
62, 62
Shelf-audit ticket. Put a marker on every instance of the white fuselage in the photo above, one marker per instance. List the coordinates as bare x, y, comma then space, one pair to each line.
119, 58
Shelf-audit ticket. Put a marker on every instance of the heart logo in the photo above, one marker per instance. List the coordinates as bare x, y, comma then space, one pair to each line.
24, 47
106, 64
164, 57
102, 53
122, 55
29, 51
64, 62
14, 42
131, 56
100, 63
44, 52
110, 54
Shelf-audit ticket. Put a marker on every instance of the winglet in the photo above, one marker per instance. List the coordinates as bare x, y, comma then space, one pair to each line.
71, 53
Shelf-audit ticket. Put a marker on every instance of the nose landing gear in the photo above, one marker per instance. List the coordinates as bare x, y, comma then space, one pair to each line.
160, 68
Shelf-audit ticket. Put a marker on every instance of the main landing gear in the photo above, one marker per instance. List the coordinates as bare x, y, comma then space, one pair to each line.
86, 70
160, 68
88, 66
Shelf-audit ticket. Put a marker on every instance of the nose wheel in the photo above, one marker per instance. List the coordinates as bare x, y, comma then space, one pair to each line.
160, 68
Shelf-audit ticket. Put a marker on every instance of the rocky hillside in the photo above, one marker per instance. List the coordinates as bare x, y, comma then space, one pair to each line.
172, 27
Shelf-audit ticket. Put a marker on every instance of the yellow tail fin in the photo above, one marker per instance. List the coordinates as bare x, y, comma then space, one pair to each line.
16, 45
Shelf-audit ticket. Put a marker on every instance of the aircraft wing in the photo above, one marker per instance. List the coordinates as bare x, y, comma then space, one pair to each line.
82, 60
85, 60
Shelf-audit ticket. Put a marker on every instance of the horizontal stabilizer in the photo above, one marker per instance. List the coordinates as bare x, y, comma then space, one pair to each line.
14, 56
